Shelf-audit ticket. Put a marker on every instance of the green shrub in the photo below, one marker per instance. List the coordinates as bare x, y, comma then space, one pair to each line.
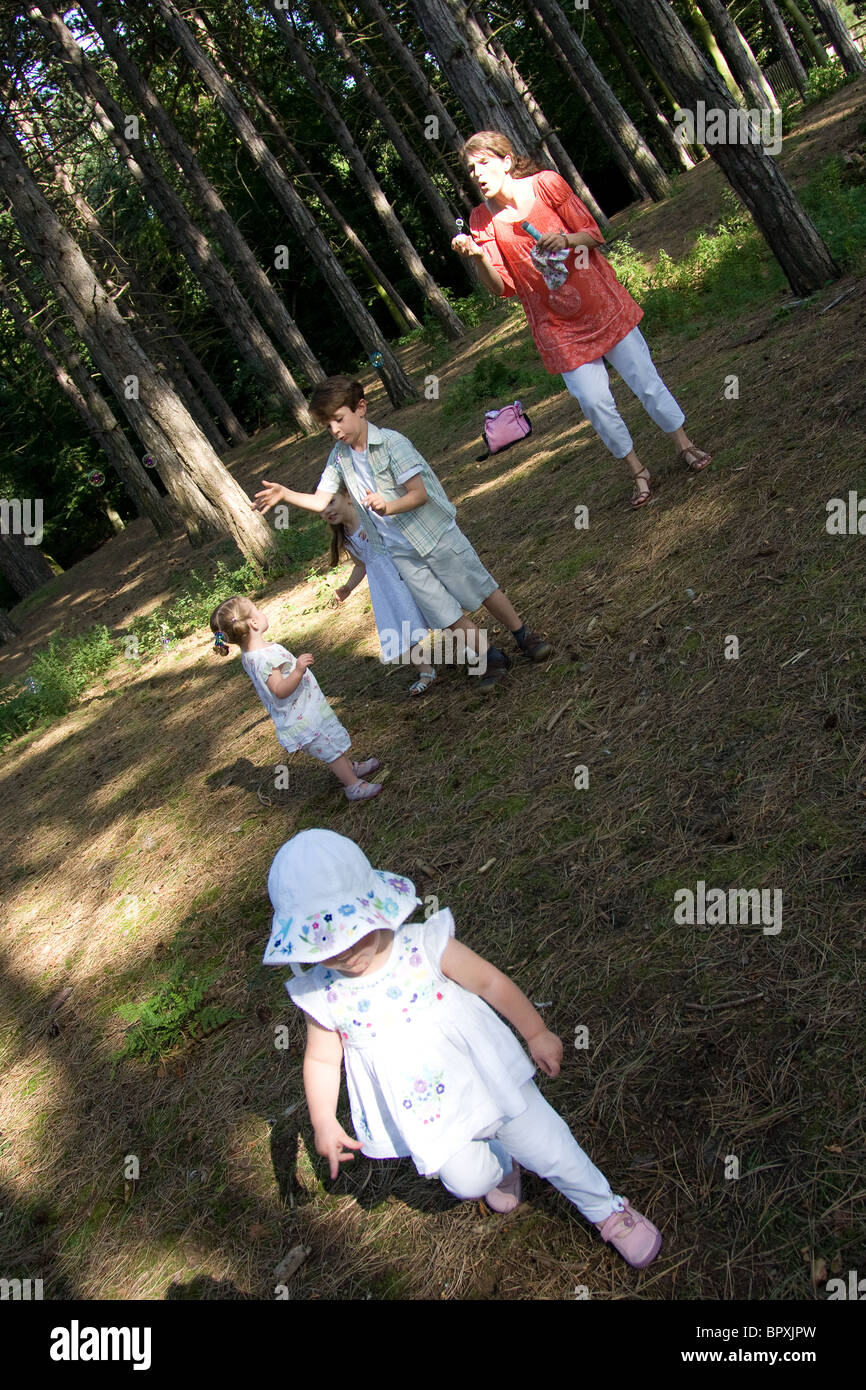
198, 595
54, 681
837, 206
174, 1013
824, 79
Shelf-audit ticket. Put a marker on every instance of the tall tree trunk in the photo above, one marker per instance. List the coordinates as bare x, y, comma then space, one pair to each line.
409, 118
562, 158
785, 45
435, 300
265, 298
112, 260
397, 384
234, 311
815, 47
404, 317
667, 141
414, 167
209, 499
24, 566
8, 630
430, 101
710, 43
627, 145
837, 32
741, 63
484, 87
752, 173
74, 380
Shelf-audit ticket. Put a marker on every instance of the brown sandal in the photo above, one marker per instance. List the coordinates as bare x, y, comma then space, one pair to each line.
694, 459
638, 498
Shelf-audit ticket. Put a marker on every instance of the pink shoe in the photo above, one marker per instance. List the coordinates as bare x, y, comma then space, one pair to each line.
506, 1196
362, 791
364, 769
633, 1235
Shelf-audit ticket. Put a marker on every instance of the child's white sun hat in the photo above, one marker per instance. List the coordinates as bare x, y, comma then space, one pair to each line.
326, 894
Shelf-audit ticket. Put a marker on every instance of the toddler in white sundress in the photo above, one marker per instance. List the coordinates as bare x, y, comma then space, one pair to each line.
291, 695
432, 1073
400, 623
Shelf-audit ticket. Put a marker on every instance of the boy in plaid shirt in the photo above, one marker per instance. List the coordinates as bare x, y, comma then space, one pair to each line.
413, 521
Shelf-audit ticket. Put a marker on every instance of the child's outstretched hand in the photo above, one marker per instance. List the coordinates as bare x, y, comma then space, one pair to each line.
270, 495
303, 661
330, 1141
377, 503
546, 1050
340, 595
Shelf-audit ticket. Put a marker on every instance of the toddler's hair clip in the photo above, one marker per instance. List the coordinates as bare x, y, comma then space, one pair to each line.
220, 646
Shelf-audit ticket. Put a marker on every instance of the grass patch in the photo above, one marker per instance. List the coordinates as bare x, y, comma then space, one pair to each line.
56, 677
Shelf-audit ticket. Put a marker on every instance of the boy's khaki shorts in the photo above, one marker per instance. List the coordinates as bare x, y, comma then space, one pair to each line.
446, 582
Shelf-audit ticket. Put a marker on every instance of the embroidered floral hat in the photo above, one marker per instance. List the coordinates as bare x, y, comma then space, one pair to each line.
325, 895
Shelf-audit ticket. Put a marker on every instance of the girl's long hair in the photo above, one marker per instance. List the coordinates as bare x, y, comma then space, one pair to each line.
338, 535
492, 142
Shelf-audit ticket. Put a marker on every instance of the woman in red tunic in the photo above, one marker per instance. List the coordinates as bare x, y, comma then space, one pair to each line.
578, 314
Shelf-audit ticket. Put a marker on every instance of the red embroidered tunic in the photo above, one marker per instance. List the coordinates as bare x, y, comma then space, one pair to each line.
587, 315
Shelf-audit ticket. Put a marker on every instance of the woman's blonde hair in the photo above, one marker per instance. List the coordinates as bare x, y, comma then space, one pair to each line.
231, 618
492, 142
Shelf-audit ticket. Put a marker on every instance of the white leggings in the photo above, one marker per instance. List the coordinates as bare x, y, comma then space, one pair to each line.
591, 386
540, 1141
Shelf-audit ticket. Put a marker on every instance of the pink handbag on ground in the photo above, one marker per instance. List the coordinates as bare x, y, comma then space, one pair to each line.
504, 427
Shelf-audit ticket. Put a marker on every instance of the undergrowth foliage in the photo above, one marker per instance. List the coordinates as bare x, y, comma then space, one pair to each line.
175, 1013
56, 678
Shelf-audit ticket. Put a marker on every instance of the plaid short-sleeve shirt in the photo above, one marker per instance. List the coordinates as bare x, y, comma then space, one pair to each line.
393, 459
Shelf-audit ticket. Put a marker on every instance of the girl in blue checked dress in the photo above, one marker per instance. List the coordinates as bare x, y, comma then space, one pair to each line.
399, 621
432, 1072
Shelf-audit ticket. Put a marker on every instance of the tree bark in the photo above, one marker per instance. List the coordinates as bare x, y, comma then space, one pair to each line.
112, 260
560, 154
444, 215
234, 311
209, 499
667, 141
397, 384
404, 317
8, 630
785, 45
710, 42
485, 87
815, 47
273, 312
24, 566
627, 145
72, 377
752, 173
742, 64
839, 36
433, 297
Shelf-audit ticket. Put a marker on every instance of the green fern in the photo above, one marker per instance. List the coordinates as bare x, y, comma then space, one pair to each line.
175, 1013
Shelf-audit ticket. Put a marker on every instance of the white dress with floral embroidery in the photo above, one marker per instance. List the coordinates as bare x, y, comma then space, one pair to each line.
429, 1065
298, 717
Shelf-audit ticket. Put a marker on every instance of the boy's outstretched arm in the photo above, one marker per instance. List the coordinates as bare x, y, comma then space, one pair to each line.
272, 493
475, 973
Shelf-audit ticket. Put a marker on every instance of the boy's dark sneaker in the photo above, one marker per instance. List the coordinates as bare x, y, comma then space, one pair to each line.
535, 648
496, 669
